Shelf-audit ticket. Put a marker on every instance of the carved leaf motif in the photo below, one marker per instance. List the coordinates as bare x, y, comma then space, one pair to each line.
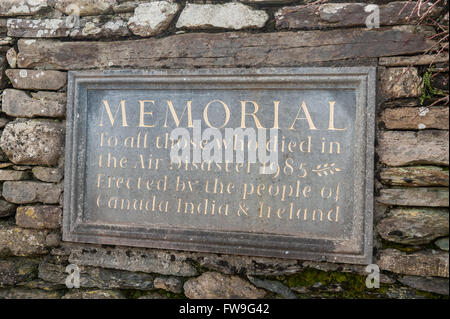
325, 169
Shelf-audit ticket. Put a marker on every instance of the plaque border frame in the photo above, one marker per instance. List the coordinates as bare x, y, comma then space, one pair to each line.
357, 250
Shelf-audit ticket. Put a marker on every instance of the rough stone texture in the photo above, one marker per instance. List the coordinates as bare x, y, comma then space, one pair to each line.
16, 270
19, 104
152, 18
423, 263
3, 81
435, 285
93, 294
91, 277
273, 286
36, 79
48, 174
400, 83
16, 241
133, 259
6, 208
11, 57
257, 266
12, 175
34, 142
348, 15
4, 121
127, 6
172, 284
39, 217
407, 148
414, 226
85, 7
21, 7
442, 243
213, 285
232, 15
236, 49
413, 118
24, 192
424, 59
25, 293
414, 176
88, 28
420, 196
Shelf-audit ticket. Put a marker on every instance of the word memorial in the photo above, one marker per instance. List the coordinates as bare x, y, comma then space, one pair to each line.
273, 162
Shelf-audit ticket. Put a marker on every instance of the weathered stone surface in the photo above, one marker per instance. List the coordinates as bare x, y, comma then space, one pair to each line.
153, 295
34, 142
91, 277
84, 7
88, 28
25, 293
413, 118
414, 176
423, 263
19, 104
414, 226
258, 266
442, 243
24, 192
53, 239
93, 294
407, 148
21, 7
37, 79
232, 15
133, 259
4, 121
212, 285
3, 81
172, 284
15, 241
435, 285
423, 59
127, 6
273, 286
400, 83
152, 18
6, 208
420, 196
236, 49
48, 174
39, 217
12, 175
349, 15
11, 57
16, 270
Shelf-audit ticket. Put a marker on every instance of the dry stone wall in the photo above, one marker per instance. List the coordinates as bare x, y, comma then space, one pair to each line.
40, 40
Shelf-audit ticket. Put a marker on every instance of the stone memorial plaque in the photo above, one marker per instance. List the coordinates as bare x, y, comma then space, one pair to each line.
123, 187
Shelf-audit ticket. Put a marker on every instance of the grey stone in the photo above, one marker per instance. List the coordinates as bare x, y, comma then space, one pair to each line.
417, 196
172, 284
53, 239
16, 270
414, 226
396, 292
152, 18
85, 7
3, 122
11, 57
34, 142
397, 148
16, 241
91, 277
39, 217
442, 243
422, 59
153, 295
212, 285
21, 7
25, 293
127, 6
414, 176
134, 259
435, 285
400, 83
12, 175
422, 263
232, 15
273, 286
48, 174
93, 294
36, 79
24, 192
7, 208
88, 28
